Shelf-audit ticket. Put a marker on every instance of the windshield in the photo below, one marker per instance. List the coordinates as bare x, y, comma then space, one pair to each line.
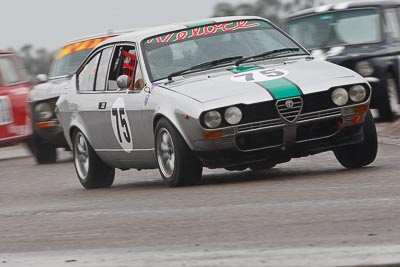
181, 50
337, 28
70, 57
68, 64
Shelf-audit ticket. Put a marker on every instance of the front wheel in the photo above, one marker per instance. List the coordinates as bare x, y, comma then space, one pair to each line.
364, 153
43, 151
91, 170
177, 164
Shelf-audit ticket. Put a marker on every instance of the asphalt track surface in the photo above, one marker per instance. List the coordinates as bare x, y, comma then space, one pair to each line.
309, 212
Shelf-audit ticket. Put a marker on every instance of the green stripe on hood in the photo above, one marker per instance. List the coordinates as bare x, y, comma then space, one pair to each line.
244, 69
279, 88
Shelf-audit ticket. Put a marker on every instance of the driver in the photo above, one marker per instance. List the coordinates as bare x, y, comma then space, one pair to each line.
161, 61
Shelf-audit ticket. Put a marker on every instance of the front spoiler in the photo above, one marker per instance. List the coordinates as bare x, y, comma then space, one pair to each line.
234, 157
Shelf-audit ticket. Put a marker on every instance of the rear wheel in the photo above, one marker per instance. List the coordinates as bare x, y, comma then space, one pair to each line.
43, 151
91, 170
177, 164
364, 153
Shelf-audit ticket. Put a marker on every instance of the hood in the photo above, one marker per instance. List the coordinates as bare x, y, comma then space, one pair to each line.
263, 82
50, 89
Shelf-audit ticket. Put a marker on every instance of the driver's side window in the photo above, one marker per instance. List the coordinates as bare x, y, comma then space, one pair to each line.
123, 62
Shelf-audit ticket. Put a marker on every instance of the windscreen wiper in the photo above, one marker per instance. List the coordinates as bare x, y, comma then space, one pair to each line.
266, 54
205, 64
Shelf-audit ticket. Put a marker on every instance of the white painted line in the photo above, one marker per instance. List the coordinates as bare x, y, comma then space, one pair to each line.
207, 256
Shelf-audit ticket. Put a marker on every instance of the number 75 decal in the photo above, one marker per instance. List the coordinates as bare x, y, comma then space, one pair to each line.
121, 126
261, 75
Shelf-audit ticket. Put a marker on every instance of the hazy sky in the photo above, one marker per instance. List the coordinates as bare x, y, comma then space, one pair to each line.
50, 23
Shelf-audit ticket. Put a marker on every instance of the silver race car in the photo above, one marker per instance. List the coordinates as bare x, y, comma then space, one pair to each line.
231, 93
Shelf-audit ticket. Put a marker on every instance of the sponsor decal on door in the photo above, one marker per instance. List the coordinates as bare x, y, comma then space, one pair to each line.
5, 111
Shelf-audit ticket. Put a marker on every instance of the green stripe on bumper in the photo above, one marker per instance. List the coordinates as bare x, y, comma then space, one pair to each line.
281, 88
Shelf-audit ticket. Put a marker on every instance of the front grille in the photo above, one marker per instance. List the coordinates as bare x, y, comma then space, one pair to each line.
259, 125
290, 109
317, 101
320, 114
259, 112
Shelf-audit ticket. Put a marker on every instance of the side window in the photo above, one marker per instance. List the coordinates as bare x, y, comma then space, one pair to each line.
87, 76
9, 71
102, 69
392, 24
123, 63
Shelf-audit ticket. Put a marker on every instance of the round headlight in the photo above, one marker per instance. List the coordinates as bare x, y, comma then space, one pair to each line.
213, 119
365, 68
43, 111
340, 97
233, 115
358, 93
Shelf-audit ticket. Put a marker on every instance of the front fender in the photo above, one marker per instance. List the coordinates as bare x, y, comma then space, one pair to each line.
184, 114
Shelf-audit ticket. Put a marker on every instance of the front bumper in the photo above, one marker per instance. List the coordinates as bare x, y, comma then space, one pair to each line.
52, 132
235, 158
277, 141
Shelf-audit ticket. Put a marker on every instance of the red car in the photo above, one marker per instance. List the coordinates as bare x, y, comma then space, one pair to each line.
15, 125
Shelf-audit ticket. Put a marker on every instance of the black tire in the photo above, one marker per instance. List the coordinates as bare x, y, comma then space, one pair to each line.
43, 151
96, 174
185, 169
364, 153
383, 101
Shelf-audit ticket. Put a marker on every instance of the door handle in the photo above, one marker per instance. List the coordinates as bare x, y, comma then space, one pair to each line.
102, 105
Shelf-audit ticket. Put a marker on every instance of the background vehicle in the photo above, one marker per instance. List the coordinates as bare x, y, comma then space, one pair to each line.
15, 124
231, 93
363, 36
47, 132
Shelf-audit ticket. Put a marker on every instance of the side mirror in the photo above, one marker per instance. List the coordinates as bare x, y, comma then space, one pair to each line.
123, 82
139, 85
41, 78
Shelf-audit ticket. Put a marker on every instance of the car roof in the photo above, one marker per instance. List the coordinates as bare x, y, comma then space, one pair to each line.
139, 35
344, 6
101, 35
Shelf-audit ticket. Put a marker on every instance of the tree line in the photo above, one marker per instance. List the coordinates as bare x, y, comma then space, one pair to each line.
274, 10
